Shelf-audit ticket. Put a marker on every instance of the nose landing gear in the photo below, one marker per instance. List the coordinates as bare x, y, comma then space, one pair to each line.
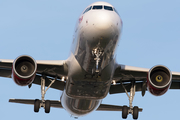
97, 52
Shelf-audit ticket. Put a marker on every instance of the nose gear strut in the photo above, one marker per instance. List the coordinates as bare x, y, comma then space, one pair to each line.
97, 52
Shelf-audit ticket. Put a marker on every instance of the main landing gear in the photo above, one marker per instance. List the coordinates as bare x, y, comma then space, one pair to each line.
43, 103
130, 110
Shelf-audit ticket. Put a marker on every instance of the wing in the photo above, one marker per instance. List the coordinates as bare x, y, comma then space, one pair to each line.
125, 74
5, 68
49, 68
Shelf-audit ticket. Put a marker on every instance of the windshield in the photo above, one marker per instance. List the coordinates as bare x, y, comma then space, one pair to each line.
89, 8
97, 7
108, 8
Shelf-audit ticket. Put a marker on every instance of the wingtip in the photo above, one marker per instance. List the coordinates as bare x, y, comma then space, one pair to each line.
11, 99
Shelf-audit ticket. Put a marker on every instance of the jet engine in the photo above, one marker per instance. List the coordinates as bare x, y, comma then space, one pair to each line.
24, 70
159, 80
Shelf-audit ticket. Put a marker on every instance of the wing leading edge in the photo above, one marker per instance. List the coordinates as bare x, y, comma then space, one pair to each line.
124, 74
49, 68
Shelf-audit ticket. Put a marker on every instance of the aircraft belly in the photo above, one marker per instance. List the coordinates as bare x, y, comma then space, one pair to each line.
90, 37
89, 41
81, 84
81, 81
85, 88
79, 107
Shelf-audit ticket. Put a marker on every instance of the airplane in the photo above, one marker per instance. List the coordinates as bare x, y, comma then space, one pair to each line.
91, 71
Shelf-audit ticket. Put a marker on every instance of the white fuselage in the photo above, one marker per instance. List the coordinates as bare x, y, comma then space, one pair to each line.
91, 63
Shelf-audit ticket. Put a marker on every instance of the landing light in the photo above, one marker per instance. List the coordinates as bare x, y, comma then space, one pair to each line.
114, 82
62, 79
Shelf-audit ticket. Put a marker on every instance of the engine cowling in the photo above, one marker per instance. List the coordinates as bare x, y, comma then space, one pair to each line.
24, 70
159, 80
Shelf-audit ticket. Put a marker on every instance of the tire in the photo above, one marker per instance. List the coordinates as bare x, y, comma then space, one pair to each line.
124, 112
135, 112
36, 105
47, 106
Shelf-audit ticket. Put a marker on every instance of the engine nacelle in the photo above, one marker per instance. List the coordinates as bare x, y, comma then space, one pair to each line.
159, 80
24, 70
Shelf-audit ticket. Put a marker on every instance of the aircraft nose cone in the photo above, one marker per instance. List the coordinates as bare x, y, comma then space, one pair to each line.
103, 21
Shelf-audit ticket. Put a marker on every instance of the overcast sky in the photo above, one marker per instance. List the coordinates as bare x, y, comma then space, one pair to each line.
44, 30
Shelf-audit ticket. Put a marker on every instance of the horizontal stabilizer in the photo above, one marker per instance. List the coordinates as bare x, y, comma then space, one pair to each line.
105, 107
54, 103
57, 104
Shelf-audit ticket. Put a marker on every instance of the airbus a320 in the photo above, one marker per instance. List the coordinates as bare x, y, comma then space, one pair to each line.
91, 71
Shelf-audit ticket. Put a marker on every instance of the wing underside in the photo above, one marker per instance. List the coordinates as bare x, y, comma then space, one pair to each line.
55, 70
125, 74
51, 69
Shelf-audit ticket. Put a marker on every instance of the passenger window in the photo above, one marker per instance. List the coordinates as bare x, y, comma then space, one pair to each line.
97, 7
108, 8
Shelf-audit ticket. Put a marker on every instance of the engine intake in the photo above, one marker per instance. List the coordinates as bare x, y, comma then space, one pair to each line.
24, 70
159, 80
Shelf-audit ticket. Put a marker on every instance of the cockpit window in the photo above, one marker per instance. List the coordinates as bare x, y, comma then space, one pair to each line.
89, 8
97, 7
116, 11
108, 8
